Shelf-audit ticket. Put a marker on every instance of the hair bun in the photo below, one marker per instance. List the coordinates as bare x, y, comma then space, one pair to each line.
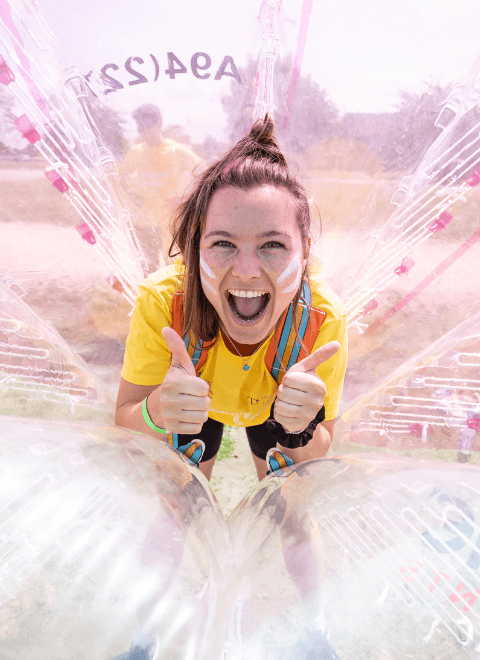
263, 131
262, 138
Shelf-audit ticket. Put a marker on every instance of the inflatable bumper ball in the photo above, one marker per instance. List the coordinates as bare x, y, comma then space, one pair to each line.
110, 546
359, 558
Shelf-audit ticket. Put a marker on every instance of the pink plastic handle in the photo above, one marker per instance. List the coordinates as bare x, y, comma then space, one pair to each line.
6, 74
370, 306
86, 233
416, 430
26, 128
115, 283
444, 219
474, 178
406, 265
56, 180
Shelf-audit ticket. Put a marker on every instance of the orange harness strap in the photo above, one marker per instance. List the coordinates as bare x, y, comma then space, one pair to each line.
278, 359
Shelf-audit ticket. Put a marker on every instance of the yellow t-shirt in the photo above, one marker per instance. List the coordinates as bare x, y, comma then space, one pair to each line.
159, 176
238, 397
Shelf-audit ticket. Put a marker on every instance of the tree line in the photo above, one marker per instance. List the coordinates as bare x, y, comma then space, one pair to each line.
399, 138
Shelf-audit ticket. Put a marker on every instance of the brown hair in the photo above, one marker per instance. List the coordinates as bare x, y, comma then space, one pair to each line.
256, 160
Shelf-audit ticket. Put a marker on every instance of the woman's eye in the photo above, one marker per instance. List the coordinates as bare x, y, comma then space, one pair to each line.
224, 244
273, 244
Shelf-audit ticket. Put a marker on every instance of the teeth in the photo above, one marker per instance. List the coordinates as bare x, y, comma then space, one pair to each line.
246, 294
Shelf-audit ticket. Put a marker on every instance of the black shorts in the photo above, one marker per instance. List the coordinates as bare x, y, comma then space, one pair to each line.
259, 438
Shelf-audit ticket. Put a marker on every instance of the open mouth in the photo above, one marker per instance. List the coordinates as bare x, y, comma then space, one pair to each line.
247, 308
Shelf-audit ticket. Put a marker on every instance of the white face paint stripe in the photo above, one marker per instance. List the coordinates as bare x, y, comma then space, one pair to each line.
293, 286
206, 285
289, 270
206, 268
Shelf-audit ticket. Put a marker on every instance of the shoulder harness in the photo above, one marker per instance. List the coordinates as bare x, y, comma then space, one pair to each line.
289, 350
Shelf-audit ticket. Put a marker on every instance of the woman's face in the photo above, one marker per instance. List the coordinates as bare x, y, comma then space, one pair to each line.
251, 259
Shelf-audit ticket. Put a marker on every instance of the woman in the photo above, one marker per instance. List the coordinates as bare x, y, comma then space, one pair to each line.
266, 338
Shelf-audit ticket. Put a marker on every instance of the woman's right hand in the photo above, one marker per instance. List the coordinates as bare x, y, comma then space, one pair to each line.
181, 403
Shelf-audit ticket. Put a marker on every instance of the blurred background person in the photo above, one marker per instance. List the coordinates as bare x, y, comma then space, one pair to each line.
155, 173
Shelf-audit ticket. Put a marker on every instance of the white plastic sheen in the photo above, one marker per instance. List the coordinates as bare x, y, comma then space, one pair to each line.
111, 546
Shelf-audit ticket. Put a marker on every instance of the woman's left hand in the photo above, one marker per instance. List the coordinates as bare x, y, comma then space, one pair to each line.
302, 392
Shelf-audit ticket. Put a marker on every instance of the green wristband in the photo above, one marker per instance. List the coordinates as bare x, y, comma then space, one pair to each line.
147, 419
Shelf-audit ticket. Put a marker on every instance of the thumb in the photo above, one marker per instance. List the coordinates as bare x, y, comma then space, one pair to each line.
317, 358
180, 357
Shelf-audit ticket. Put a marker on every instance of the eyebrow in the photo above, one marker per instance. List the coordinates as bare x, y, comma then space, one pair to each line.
265, 234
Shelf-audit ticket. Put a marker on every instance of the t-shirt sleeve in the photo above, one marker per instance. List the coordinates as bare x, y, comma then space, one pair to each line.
129, 164
332, 372
147, 357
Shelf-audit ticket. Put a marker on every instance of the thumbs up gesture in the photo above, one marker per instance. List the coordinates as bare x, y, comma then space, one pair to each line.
302, 392
181, 402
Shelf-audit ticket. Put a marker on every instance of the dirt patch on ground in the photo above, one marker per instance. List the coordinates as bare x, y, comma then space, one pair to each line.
234, 476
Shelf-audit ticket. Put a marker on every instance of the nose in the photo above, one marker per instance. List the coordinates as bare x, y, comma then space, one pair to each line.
246, 265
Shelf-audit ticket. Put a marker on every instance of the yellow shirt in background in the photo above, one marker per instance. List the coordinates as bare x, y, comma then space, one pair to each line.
158, 176
238, 397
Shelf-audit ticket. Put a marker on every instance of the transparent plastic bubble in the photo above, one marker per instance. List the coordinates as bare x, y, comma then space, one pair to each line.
39, 374
419, 263
377, 108
429, 407
111, 546
359, 557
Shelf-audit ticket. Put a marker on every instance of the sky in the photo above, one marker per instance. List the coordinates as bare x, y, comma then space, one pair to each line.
362, 54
